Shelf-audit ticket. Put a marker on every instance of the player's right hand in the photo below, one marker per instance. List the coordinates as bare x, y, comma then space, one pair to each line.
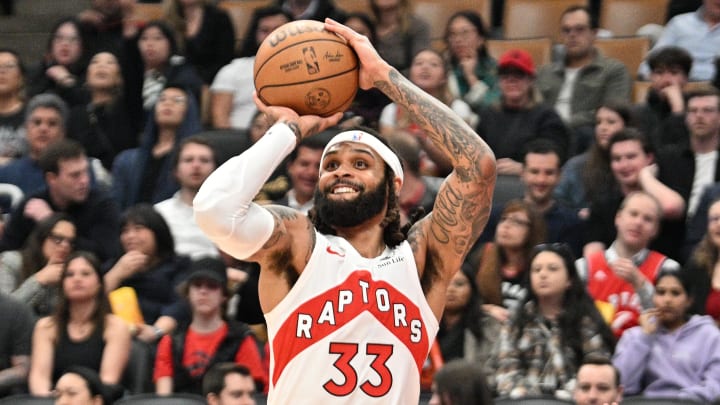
303, 125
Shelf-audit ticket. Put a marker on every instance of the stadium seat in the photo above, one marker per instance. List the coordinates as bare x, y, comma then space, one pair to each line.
438, 12
27, 399
534, 400
240, 12
533, 18
144, 12
539, 48
625, 17
657, 401
631, 51
227, 142
154, 399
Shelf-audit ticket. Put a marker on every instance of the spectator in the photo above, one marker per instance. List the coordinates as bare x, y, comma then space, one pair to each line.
671, 354
303, 169
184, 357
368, 104
428, 71
676, 7
400, 34
44, 123
12, 106
460, 382
192, 164
689, 170
584, 79
80, 386
103, 125
229, 384
62, 67
418, 191
473, 75
145, 174
32, 275
231, 101
105, 24
588, 174
702, 266
556, 327
662, 115
148, 260
204, 33
697, 33
68, 190
15, 344
519, 118
465, 331
598, 382
151, 63
311, 9
540, 175
632, 163
620, 279
45, 120
81, 332
501, 264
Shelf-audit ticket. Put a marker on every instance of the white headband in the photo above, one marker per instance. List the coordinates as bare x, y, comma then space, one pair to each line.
365, 138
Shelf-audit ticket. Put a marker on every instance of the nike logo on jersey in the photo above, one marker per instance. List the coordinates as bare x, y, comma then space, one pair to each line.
332, 252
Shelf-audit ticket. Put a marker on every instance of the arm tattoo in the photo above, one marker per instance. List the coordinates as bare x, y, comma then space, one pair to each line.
462, 205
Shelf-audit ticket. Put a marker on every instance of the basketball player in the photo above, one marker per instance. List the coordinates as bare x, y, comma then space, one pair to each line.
352, 303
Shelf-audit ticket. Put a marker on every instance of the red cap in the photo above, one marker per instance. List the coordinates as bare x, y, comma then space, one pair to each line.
517, 59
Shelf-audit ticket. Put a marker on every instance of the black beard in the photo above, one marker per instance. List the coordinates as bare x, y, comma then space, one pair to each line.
345, 214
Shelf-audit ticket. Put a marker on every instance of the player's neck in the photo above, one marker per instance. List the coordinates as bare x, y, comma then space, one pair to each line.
203, 323
367, 239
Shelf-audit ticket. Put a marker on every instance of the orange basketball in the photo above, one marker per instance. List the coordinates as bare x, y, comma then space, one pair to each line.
302, 66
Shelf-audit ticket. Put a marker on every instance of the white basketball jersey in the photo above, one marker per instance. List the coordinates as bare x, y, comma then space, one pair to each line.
352, 330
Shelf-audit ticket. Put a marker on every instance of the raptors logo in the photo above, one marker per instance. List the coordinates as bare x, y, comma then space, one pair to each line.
311, 62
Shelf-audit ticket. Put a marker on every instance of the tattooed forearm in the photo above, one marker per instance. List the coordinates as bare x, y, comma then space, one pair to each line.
444, 128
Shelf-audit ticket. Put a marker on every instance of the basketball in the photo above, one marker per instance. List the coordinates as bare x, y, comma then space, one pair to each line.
302, 66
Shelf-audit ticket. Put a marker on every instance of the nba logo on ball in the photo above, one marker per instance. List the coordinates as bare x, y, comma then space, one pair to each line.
311, 62
329, 80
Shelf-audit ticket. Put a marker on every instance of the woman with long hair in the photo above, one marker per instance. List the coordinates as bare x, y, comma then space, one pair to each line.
145, 173
501, 263
473, 72
671, 353
557, 325
12, 106
151, 61
204, 33
103, 125
588, 173
62, 68
148, 261
704, 267
400, 34
32, 274
466, 332
81, 332
429, 72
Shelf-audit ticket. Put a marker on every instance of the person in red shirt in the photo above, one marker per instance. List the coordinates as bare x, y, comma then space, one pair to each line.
183, 357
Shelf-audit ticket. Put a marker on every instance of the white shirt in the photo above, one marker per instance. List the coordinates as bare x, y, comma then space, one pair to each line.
562, 105
705, 164
189, 239
237, 78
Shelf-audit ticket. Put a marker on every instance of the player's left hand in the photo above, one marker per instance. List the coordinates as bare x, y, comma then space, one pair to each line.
303, 125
